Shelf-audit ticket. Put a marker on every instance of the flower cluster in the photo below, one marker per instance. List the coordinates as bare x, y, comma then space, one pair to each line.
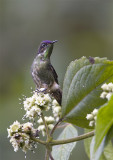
35, 104
19, 135
49, 121
92, 117
107, 91
56, 109
38, 102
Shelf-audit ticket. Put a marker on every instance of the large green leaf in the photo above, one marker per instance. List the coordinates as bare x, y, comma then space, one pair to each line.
87, 142
104, 122
108, 151
62, 152
99, 154
109, 134
82, 88
104, 152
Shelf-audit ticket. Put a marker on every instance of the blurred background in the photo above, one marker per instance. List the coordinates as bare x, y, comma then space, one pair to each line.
82, 28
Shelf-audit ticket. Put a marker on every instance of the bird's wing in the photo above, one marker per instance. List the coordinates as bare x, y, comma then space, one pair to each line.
54, 73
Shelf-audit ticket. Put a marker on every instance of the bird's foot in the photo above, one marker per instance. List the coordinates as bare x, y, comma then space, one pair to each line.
43, 90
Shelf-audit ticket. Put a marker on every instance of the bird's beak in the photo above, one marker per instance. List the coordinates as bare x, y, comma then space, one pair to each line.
55, 41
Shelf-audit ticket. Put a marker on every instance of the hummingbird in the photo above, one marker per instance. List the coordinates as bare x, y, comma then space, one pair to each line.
43, 73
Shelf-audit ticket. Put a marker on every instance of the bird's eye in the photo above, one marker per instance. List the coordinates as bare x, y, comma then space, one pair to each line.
43, 44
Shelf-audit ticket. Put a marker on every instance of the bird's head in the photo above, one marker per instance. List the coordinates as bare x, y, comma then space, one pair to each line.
45, 48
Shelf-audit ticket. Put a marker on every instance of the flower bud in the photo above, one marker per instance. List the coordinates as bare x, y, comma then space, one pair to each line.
89, 117
104, 87
50, 126
109, 95
110, 87
27, 127
91, 123
103, 95
95, 111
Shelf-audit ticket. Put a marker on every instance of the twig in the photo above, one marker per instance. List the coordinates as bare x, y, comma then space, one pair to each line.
84, 136
51, 156
55, 126
63, 125
37, 140
47, 155
58, 142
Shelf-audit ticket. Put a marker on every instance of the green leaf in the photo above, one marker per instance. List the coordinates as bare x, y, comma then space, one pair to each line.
82, 88
104, 122
104, 152
109, 134
87, 143
99, 154
108, 151
62, 152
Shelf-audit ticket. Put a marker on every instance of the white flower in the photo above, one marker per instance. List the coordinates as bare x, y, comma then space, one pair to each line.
47, 98
89, 117
40, 121
35, 95
33, 112
29, 102
104, 87
28, 144
55, 103
27, 126
20, 136
103, 95
50, 126
41, 128
35, 104
110, 87
40, 101
109, 90
95, 118
15, 126
50, 119
57, 109
109, 95
92, 117
9, 132
95, 111
91, 123
14, 144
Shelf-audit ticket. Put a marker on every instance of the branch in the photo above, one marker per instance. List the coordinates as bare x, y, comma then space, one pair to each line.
46, 126
55, 126
51, 158
47, 155
58, 142
37, 140
84, 136
63, 125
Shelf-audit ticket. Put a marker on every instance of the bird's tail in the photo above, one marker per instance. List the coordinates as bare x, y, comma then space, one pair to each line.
57, 94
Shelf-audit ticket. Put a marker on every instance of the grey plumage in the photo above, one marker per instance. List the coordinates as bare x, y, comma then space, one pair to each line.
43, 73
